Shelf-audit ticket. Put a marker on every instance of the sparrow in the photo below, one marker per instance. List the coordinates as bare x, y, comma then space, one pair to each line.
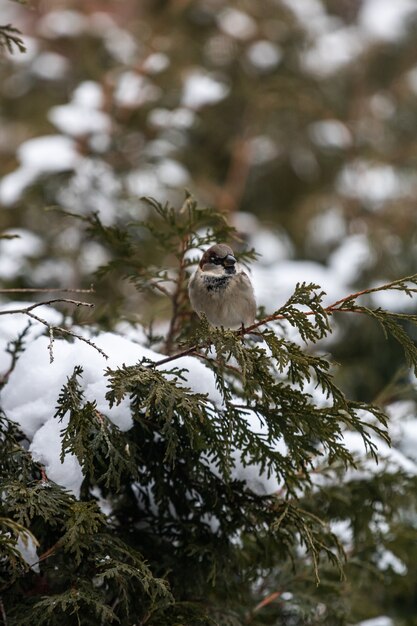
222, 290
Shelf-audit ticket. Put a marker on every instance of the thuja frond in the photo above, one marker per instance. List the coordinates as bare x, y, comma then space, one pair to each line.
36, 500
310, 328
98, 444
81, 602
160, 401
82, 523
14, 458
15, 348
392, 325
297, 524
10, 38
11, 558
126, 571
401, 284
175, 224
272, 386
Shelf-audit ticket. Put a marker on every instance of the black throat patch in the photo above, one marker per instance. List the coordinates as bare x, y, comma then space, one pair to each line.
216, 283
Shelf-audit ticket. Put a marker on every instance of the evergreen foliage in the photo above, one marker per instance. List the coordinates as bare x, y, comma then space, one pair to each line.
10, 39
184, 542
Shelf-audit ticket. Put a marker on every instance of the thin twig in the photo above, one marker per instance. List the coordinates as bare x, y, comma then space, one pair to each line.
46, 290
31, 307
177, 297
233, 189
270, 598
51, 328
160, 288
226, 365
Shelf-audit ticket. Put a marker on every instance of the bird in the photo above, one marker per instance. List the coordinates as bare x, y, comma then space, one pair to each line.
221, 289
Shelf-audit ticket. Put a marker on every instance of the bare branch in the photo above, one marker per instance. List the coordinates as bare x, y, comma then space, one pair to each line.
31, 307
178, 297
51, 328
47, 290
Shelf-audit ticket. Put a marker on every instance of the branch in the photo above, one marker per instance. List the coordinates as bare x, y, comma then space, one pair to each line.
178, 297
335, 307
51, 328
31, 307
47, 290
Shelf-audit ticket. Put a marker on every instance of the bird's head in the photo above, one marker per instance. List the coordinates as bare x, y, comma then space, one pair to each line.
218, 259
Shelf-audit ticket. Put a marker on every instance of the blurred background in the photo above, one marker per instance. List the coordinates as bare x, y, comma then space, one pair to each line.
297, 118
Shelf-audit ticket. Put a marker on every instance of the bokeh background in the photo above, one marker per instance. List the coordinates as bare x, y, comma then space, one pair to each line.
296, 118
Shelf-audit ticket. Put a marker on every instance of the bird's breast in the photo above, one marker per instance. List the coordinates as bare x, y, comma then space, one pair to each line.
216, 284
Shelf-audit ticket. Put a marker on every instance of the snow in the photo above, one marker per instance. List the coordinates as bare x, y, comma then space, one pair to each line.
374, 183
330, 133
386, 19
201, 89
178, 118
327, 228
333, 50
310, 13
13, 185
31, 403
14, 324
27, 548
172, 173
50, 66
119, 43
78, 121
264, 55
236, 24
333, 44
156, 63
388, 560
343, 531
45, 449
273, 247
81, 116
350, 259
274, 285
89, 95
262, 149
377, 621
133, 90
403, 424
15, 252
304, 163
62, 23
382, 106
52, 153
93, 188
244, 470
143, 182
42, 155
390, 459
393, 300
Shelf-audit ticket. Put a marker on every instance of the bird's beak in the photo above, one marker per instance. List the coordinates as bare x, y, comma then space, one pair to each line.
229, 261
